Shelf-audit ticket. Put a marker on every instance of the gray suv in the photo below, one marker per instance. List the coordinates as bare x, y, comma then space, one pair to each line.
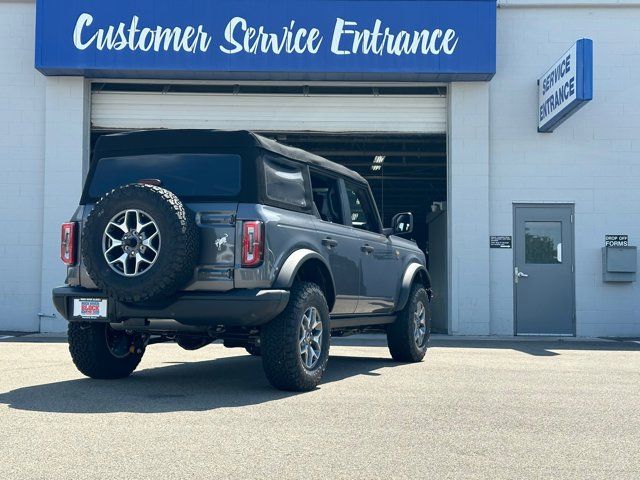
195, 236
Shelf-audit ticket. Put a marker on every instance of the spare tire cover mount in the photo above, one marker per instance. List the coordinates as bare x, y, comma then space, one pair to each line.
140, 243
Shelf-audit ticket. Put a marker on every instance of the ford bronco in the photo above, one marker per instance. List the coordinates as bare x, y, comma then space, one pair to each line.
195, 236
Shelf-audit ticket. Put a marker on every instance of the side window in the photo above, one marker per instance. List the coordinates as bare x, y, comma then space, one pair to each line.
285, 183
362, 209
326, 197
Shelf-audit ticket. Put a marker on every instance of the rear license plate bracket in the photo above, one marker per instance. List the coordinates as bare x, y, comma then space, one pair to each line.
90, 308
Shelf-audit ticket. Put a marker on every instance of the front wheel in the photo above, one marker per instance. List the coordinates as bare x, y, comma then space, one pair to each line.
100, 352
295, 345
408, 336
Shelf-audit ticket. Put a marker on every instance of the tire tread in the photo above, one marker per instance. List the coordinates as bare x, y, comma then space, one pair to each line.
280, 360
400, 333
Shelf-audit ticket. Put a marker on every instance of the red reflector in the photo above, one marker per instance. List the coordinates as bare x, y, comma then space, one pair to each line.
252, 243
68, 243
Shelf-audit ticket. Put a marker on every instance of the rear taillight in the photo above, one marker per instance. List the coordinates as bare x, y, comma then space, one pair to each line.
252, 243
68, 243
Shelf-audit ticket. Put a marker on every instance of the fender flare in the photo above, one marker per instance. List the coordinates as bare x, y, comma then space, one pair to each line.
414, 270
292, 264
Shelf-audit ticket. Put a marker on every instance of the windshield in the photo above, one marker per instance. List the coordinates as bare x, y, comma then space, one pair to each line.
186, 175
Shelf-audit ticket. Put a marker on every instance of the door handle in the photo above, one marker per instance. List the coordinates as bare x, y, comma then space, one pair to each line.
329, 242
519, 274
366, 248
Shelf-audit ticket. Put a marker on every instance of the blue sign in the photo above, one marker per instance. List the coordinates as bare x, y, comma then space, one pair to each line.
566, 86
276, 39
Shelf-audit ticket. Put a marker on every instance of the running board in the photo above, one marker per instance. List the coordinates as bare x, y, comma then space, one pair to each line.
361, 321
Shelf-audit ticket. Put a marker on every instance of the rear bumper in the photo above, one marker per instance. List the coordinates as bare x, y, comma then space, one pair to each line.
241, 308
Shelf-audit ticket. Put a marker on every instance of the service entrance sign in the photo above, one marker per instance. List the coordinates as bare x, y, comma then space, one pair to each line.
566, 86
403, 40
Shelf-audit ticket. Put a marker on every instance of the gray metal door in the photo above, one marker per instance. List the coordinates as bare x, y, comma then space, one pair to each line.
543, 270
380, 272
379, 264
341, 246
339, 243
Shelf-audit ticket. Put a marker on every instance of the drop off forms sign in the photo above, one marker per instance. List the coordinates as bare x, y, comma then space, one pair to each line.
566, 86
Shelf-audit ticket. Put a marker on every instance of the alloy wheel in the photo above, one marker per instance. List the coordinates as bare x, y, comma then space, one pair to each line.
310, 338
420, 324
131, 242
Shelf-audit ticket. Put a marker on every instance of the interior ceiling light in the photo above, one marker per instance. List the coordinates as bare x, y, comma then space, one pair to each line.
379, 159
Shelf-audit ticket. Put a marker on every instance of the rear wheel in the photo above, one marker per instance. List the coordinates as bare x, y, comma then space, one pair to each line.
295, 345
98, 351
408, 336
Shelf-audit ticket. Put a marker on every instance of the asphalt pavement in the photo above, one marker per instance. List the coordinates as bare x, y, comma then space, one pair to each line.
472, 409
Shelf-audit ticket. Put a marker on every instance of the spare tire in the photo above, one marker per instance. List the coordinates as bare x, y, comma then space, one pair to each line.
140, 243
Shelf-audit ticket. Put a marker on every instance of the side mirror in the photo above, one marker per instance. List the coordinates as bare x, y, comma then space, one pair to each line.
402, 223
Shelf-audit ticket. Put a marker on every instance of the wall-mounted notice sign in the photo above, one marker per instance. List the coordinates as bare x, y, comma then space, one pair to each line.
566, 86
616, 240
500, 241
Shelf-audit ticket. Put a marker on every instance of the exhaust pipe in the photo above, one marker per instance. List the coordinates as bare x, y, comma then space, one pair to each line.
158, 325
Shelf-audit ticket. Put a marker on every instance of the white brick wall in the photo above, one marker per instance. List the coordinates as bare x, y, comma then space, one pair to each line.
468, 208
592, 160
43, 128
21, 169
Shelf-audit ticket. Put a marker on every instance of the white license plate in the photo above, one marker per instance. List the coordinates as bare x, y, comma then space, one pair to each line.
89, 308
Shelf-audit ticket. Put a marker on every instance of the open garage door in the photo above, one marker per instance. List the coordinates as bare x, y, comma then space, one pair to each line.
360, 109
394, 137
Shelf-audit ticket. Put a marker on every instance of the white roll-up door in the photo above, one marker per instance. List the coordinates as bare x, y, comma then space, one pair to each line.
270, 112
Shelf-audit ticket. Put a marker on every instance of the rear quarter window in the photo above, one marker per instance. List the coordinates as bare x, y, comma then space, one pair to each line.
286, 183
186, 175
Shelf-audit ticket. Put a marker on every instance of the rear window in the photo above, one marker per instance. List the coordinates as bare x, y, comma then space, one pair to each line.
186, 175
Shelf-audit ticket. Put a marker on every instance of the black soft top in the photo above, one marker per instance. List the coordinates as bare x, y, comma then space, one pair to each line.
164, 141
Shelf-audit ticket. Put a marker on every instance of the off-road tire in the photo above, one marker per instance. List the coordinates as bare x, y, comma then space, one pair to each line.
400, 334
91, 354
177, 257
279, 342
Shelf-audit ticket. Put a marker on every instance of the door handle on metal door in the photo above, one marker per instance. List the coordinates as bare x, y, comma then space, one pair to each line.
367, 249
329, 242
519, 274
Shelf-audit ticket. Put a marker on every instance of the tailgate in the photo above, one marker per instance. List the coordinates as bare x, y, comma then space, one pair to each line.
217, 225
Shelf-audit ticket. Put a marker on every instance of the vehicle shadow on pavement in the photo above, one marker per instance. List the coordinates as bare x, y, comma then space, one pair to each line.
198, 386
